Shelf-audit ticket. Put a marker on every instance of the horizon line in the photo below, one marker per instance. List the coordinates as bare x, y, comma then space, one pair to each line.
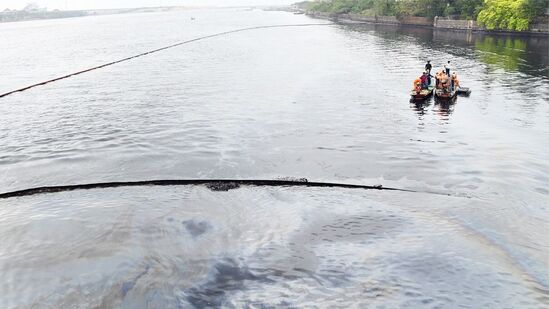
156, 7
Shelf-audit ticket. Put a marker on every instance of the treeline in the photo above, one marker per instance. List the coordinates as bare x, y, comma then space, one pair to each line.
10, 16
493, 14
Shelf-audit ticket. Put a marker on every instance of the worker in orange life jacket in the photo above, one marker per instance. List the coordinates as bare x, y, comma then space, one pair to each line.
417, 85
444, 82
438, 77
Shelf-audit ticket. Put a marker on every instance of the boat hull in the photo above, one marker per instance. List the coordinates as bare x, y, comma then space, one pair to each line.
422, 95
441, 94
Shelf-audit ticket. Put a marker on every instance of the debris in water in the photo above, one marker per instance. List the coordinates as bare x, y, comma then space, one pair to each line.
222, 186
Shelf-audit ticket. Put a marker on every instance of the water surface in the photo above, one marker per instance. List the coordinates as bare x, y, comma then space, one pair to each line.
328, 103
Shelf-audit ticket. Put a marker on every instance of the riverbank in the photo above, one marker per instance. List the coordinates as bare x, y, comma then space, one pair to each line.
541, 27
22, 15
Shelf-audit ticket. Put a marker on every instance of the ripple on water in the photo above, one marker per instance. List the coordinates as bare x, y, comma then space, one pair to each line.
241, 106
190, 246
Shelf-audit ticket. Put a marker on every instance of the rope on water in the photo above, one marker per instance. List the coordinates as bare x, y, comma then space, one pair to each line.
157, 50
213, 184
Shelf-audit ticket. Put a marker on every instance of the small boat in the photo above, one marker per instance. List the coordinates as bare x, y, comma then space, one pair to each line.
422, 95
464, 91
443, 94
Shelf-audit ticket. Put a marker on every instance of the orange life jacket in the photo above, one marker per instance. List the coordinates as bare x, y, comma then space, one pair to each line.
455, 79
444, 78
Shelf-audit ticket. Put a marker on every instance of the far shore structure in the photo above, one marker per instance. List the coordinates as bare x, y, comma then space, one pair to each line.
437, 22
514, 16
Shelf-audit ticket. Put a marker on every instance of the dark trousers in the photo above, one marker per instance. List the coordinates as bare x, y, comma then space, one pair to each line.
448, 72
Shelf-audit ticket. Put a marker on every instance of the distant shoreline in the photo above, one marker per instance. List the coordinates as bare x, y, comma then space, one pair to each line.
19, 16
441, 24
8, 16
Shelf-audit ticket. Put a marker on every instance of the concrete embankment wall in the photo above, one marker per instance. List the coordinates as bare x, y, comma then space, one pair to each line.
416, 21
541, 25
356, 17
387, 19
446, 23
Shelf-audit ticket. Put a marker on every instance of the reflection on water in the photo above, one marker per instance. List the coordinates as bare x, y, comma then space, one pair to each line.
442, 108
502, 52
526, 54
420, 107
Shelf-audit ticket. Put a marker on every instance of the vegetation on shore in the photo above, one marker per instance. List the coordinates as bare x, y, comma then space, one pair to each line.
492, 14
510, 14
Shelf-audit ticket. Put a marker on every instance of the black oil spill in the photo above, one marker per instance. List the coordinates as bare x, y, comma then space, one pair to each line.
196, 228
222, 186
129, 285
228, 277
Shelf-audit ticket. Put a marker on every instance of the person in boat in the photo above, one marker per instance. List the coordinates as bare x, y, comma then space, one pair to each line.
444, 82
424, 77
417, 85
447, 68
439, 76
455, 81
428, 67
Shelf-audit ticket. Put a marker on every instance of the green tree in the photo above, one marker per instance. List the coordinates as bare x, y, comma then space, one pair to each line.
426, 8
494, 14
507, 14
385, 7
468, 9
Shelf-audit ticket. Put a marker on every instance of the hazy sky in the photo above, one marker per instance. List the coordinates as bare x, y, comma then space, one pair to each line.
95, 4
